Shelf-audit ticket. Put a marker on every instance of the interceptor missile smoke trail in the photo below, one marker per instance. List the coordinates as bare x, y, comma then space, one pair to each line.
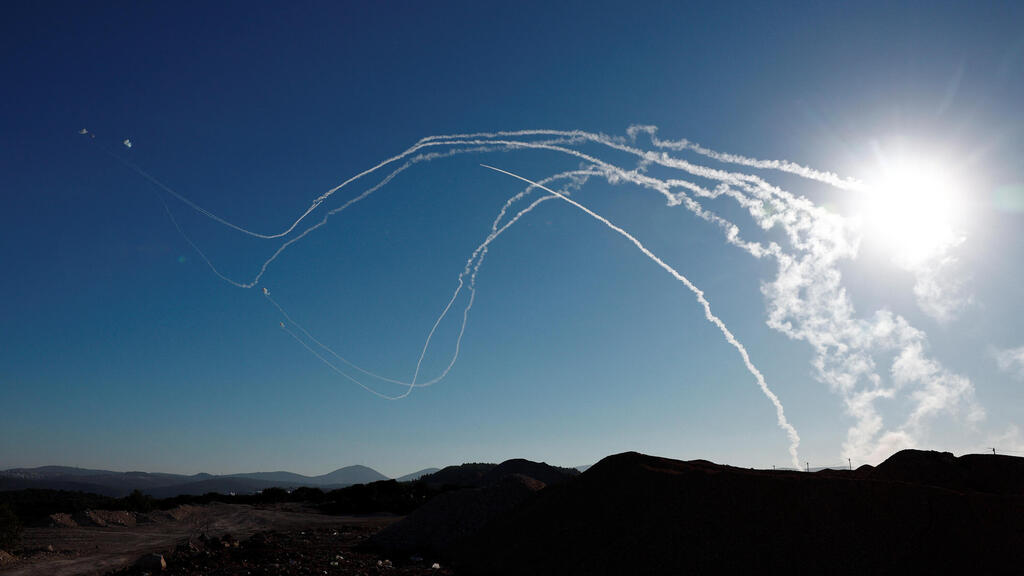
806, 301
486, 142
794, 438
471, 269
477, 144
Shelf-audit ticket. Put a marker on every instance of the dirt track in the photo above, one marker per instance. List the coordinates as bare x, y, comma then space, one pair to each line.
68, 551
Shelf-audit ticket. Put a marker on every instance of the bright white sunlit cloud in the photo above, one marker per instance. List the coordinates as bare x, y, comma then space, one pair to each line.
914, 210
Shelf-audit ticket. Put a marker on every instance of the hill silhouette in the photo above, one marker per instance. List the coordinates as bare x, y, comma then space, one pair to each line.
991, 473
462, 475
443, 523
540, 471
412, 477
918, 512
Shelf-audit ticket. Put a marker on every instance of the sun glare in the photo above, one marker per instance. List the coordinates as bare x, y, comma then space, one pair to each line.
912, 210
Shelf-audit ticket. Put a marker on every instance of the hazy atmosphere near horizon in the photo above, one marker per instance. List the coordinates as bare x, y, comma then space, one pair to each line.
763, 235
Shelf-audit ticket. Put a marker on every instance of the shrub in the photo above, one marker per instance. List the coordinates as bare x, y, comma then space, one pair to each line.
10, 528
272, 495
306, 494
138, 502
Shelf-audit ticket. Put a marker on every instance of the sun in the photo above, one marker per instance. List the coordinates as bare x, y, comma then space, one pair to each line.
912, 209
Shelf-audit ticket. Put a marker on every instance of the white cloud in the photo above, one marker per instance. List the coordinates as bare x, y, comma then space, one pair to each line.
941, 288
807, 301
1011, 360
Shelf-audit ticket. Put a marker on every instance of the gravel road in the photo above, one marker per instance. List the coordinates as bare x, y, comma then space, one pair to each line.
94, 550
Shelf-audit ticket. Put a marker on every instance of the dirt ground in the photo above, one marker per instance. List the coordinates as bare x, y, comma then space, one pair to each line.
62, 550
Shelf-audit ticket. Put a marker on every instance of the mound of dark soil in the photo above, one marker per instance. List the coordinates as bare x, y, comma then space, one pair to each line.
636, 514
59, 519
438, 527
441, 525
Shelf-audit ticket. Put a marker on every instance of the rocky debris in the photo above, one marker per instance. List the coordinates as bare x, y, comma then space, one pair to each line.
97, 518
40, 552
7, 558
151, 563
181, 512
317, 551
104, 518
60, 520
187, 547
115, 517
88, 518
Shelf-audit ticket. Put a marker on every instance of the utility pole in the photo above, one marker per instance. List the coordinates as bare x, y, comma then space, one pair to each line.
850, 462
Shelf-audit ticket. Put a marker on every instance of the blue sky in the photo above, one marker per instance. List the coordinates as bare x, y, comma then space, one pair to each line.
892, 322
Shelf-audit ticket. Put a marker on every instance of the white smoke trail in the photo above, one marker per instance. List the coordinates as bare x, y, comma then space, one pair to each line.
481, 140
613, 173
471, 268
806, 301
312, 207
829, 178
483, 143
478, 256
794, 438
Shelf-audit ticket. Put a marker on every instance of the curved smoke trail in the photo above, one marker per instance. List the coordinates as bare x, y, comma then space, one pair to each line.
806, 301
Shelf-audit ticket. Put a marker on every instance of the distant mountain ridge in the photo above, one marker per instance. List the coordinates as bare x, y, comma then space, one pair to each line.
417, 475
348, 475
160, 485
164, 485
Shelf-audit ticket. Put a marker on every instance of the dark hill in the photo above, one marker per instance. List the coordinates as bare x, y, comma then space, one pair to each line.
219, 484
281, 478
12, 484
477, 475
465, 475
348, 475
992, 473
438, 527
540, 471
51, 471
417, 475
491, 491
637, 514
